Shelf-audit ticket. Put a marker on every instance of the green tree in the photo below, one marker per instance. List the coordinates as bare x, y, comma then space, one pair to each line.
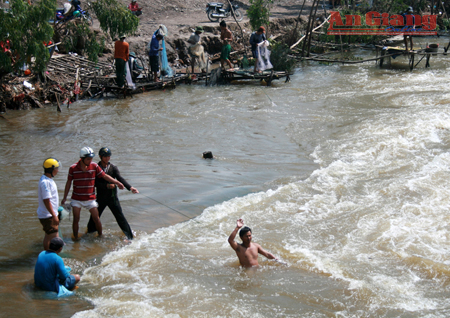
280, 59
78, 36
259, 12
27, 27
115, 19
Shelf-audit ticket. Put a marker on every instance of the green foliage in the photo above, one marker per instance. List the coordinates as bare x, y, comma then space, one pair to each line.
94, 48
445, 25
399, 6
115, 19
259, 12
279, 57
27, 27
80, 38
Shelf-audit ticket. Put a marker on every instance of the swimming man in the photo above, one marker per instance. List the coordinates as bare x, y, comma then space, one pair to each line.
247, 252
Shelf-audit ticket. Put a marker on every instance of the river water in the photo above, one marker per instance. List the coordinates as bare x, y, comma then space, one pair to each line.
342, 173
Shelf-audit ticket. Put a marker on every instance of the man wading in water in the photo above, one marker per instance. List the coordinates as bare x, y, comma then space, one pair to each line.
247, 252
107, 194
83, 175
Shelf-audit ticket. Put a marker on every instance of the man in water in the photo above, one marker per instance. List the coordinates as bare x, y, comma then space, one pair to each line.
247, 252
107, 194
48, 201
50, 271
83, 174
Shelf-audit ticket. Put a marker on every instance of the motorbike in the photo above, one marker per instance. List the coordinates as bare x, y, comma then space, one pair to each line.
77, 13
216, 11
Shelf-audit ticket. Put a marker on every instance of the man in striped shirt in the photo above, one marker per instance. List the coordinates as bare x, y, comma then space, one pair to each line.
83, 175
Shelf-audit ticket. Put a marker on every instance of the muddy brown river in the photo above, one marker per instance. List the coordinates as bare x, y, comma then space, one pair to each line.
341, 173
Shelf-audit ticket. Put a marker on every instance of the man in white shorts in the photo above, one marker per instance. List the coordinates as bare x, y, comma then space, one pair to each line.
83, 174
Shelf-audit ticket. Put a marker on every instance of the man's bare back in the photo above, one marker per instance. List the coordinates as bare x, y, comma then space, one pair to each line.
247, 252
225, 34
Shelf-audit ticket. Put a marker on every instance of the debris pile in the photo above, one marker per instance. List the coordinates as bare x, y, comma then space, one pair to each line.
68, 77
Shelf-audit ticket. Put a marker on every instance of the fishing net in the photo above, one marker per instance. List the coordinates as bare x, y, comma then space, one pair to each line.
166, 70
198, 51
264, 56
129, 79
215, 76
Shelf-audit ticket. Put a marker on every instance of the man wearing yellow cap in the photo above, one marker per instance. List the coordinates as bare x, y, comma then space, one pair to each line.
48, 201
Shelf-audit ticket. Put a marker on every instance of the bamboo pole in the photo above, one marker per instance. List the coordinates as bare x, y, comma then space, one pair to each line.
309, 26
294, 31
234, 16
312, 23
301, 39
356, 62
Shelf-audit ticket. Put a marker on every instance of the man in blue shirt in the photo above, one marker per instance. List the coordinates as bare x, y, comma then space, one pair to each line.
50, 271
256, 38
153, 54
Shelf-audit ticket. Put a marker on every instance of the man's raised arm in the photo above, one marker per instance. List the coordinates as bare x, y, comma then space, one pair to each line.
231, 241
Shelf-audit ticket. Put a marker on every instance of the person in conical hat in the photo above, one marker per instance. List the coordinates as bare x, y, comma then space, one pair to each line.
194, 40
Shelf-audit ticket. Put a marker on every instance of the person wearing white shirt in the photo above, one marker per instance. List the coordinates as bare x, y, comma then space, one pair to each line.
48, 201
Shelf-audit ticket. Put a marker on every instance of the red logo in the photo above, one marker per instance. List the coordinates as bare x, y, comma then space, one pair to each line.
376, 23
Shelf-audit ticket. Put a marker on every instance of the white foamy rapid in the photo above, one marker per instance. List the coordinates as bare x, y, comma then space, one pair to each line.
365, 235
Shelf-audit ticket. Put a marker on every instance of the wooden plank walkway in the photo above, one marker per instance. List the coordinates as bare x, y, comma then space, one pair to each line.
384, 52
74, 74
267, 76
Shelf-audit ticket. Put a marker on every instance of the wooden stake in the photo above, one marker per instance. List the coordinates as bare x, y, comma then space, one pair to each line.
57, 101
294, 31
312, 24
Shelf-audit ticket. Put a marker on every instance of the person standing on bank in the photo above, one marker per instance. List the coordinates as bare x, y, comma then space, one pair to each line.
107, 194
48, 201
409, 20
227, 37
83, 174
256, 38
121, 55
194, 40
153, 50
50, 271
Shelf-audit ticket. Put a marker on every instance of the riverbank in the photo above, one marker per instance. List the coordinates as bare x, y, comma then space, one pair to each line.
62, 84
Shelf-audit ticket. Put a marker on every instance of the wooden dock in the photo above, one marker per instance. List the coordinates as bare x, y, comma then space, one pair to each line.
268, 76
384, 53
74, 75
416, 54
